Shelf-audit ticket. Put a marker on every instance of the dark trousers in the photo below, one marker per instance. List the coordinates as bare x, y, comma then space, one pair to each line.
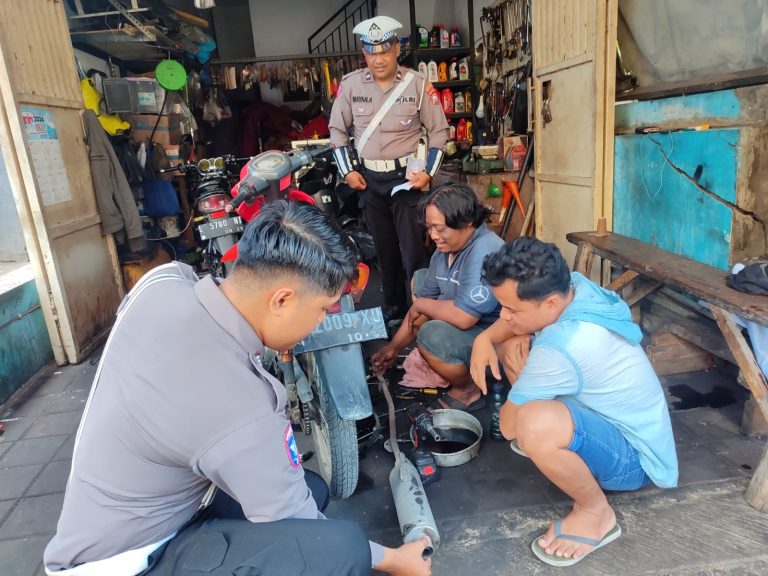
222, 542
397, 232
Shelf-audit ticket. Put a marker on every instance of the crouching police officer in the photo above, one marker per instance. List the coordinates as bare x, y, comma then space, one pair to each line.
161, 428
386, 106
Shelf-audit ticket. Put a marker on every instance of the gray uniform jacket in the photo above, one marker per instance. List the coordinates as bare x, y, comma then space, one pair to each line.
179, 400
114, 198
360, 97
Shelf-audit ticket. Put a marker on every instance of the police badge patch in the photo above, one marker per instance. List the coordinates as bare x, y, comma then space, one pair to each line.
374, 33
290, 447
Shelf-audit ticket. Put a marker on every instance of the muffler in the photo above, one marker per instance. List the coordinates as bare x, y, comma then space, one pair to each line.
411, 505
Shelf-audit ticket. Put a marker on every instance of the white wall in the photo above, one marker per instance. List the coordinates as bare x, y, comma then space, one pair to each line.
11, 238
281, 27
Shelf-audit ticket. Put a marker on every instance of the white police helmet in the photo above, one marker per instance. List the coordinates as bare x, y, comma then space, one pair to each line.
377, 34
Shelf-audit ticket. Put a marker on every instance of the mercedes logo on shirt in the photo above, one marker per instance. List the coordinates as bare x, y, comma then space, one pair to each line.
479, 294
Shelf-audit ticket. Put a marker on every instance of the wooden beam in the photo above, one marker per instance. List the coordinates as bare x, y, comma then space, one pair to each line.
678, 272
642, 292
757, 491
583, 262
626, 278
698, 85
744, 357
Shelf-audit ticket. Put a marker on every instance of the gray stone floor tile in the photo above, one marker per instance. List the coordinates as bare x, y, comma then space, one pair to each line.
4, 446
31, 407
37, 515
54, 425
5, 507
22, 557
83, 379
14, 481
65, 452
32, 451
56, 383
68, 401
16, 427
52, 479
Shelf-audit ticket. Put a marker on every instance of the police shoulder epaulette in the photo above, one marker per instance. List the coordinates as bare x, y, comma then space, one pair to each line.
353, 73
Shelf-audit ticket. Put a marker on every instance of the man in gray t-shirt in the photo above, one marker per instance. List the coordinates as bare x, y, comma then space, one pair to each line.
453, 304
181, 402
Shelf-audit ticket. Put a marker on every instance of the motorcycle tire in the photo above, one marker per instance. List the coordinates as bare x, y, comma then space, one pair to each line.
335, 441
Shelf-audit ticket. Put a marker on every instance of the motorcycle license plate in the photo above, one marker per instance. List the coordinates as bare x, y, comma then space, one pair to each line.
344, 328
220, 227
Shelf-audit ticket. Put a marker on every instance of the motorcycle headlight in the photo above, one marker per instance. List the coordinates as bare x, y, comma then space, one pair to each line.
218, 163
212, 203
204, 165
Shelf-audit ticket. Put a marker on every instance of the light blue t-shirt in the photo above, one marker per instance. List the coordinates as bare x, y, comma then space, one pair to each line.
592, 354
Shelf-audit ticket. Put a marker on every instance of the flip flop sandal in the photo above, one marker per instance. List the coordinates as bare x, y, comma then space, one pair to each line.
452, 403
560, 561
516, 448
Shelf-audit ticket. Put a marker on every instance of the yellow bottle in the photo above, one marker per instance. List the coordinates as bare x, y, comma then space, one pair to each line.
442, 72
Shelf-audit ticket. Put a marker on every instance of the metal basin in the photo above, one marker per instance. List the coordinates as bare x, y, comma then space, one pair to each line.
466, 426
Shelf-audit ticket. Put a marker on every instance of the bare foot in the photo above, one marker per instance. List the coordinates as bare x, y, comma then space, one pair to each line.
590, 523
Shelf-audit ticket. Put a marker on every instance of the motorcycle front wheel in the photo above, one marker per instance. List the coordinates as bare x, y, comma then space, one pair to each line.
335, 441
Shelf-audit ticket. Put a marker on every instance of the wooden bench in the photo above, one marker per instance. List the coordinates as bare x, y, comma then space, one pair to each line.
647, 268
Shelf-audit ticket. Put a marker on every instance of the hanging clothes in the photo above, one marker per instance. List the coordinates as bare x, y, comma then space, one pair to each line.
114, 198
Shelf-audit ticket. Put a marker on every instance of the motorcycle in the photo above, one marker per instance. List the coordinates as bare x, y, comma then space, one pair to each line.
217, 232
335, 198
325, 374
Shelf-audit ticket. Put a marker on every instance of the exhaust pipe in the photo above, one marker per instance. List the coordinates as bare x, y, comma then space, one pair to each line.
411, 505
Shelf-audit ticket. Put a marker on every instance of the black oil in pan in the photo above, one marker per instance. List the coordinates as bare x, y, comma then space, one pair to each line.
451, 440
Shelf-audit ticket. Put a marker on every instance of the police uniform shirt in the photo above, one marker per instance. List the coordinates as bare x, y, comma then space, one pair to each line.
359, 98
180, 399
462, 281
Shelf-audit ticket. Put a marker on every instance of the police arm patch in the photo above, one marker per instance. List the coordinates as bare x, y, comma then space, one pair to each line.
291, 449
434, 95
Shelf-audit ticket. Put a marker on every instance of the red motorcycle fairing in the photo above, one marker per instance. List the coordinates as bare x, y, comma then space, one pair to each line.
249, 211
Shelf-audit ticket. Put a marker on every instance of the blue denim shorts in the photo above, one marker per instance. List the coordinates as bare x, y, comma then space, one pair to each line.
613, 461
446, 342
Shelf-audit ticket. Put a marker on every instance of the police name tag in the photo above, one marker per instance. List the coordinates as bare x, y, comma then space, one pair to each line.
344, 328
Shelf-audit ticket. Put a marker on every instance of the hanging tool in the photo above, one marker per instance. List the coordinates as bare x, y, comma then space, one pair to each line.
411, 505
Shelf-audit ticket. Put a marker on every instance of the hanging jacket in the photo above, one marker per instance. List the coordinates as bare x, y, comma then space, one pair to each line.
117, 207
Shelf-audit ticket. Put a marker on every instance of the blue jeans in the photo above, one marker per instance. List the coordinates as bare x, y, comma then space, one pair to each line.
613, 461
446, 342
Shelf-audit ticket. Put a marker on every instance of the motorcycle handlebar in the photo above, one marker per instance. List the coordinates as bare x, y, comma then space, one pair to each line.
321, 151
248, 191
179, 167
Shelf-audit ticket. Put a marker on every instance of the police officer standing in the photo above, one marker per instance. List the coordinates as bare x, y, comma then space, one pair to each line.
386, 106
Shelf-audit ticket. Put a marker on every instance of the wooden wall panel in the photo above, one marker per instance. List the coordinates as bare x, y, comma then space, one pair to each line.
39, 67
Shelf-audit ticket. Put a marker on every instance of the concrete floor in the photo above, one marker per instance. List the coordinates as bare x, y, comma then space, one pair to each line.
488, 511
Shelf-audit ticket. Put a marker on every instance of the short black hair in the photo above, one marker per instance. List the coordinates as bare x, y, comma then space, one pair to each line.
297, 238
538, 268
458, 203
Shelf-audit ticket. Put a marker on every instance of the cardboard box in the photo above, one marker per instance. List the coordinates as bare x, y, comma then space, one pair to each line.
512, 150
168, 131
